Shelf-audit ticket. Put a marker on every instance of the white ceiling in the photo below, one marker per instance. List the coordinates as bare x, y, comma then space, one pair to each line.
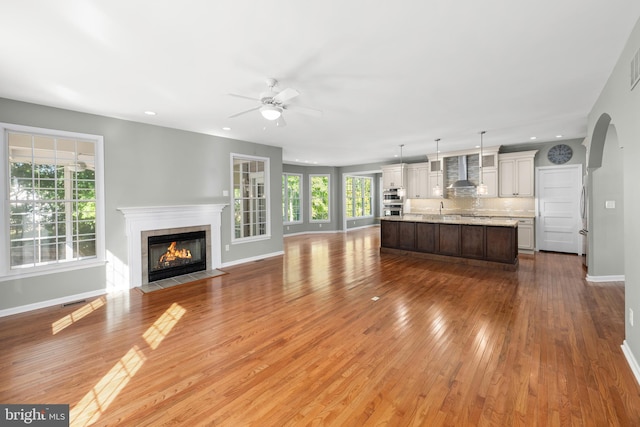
384, 73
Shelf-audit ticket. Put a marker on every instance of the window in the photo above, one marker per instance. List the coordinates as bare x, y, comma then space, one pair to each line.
54, 198
319, 195
291, 198
250, 197
358, 196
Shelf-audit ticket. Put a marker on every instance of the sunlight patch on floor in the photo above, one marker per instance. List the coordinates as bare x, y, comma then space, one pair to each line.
162, 327
80, 313
98, 399
94, 403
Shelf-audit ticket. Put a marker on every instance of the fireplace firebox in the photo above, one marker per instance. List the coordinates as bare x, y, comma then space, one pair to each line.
176, 254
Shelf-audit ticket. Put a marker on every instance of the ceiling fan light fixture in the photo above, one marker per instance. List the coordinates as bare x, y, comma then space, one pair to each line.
271, 112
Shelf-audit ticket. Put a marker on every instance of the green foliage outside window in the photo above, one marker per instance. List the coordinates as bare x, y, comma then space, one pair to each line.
291, 197
52, 200
358, 196
319, 197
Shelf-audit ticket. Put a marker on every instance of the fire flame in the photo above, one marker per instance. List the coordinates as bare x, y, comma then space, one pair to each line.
172, 254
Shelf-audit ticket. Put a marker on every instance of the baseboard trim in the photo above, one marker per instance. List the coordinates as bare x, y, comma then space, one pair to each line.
360, 227
300, 233
251, 259
51, 302
599, 279
631, 360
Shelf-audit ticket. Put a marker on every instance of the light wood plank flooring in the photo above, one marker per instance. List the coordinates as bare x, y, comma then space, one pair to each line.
298, 340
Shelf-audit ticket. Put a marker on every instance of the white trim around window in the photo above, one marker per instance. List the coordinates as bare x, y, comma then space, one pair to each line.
8, 273
285, 198
328, 176
258, 193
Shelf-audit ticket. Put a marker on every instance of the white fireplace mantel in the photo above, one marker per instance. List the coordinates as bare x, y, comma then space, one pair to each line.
139, 219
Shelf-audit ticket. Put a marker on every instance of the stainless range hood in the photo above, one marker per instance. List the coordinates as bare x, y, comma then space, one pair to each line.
463, 181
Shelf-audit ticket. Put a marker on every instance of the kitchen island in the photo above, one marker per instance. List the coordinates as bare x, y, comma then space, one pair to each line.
474, 241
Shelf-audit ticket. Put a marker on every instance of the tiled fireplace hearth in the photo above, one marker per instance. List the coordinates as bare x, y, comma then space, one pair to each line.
143, 222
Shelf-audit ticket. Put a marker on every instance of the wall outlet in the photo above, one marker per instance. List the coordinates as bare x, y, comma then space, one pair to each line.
610, 204
225, 193
319, 225
226, 248
631, 317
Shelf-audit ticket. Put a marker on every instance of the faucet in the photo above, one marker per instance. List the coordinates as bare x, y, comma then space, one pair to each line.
441, 206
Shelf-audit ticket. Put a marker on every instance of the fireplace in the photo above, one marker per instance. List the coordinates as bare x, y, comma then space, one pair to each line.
142, 222
172, 255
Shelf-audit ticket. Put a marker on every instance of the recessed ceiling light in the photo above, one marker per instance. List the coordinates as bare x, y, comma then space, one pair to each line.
533, 137
150, 113
477, 146
558, 136
226, 128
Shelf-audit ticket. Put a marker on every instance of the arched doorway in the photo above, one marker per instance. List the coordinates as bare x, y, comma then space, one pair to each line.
604, 182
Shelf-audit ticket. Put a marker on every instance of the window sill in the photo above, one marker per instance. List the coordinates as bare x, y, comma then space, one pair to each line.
44, 271
251, 239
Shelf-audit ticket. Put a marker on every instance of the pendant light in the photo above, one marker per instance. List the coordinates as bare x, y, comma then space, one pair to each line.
437, 191
482, 188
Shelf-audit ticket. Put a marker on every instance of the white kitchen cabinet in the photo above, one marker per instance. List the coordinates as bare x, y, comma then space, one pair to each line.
435, 179
436, 175
526, 234
417, 181
490, 178
515, 175
393, 176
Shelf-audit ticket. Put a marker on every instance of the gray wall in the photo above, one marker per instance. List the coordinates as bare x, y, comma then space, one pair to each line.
336, 197
618, 101
606, 228
145, 165
334, 201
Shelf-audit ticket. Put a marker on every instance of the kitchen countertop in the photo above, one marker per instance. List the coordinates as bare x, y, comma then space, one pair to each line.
480, 213
453, 219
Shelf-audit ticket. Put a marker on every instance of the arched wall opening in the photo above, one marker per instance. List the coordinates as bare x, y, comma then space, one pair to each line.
605, 180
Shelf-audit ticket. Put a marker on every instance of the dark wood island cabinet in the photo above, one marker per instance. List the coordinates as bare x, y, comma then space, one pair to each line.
477, 242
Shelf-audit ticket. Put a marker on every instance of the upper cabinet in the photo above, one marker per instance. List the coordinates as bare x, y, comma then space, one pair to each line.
436, 177
516, 174
417, 181
490, 171
394, 176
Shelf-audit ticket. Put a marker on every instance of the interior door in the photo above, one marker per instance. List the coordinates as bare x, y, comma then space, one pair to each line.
558, 193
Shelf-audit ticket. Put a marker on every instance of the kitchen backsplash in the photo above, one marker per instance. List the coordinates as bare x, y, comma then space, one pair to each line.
496, 206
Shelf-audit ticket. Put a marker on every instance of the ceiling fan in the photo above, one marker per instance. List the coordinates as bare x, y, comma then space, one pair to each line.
273, 103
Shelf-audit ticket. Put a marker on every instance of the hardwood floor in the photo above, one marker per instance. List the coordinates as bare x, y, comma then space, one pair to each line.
298, 340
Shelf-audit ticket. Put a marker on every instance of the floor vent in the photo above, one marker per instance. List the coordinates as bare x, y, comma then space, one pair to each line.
635, 69
69, 304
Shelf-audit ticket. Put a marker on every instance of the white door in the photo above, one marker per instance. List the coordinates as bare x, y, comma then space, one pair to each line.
558, 193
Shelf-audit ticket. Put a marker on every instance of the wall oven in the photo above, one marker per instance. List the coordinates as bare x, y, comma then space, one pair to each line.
392, 202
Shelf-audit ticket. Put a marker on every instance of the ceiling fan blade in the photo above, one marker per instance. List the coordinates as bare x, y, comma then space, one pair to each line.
243, 97
305, 110
244, 112
286, 94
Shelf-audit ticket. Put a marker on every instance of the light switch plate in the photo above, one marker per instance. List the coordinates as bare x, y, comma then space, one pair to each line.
610, 204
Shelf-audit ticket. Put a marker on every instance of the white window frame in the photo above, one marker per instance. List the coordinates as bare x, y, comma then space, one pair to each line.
284, 198
311, 197
370, 195
267, 196
6, 272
